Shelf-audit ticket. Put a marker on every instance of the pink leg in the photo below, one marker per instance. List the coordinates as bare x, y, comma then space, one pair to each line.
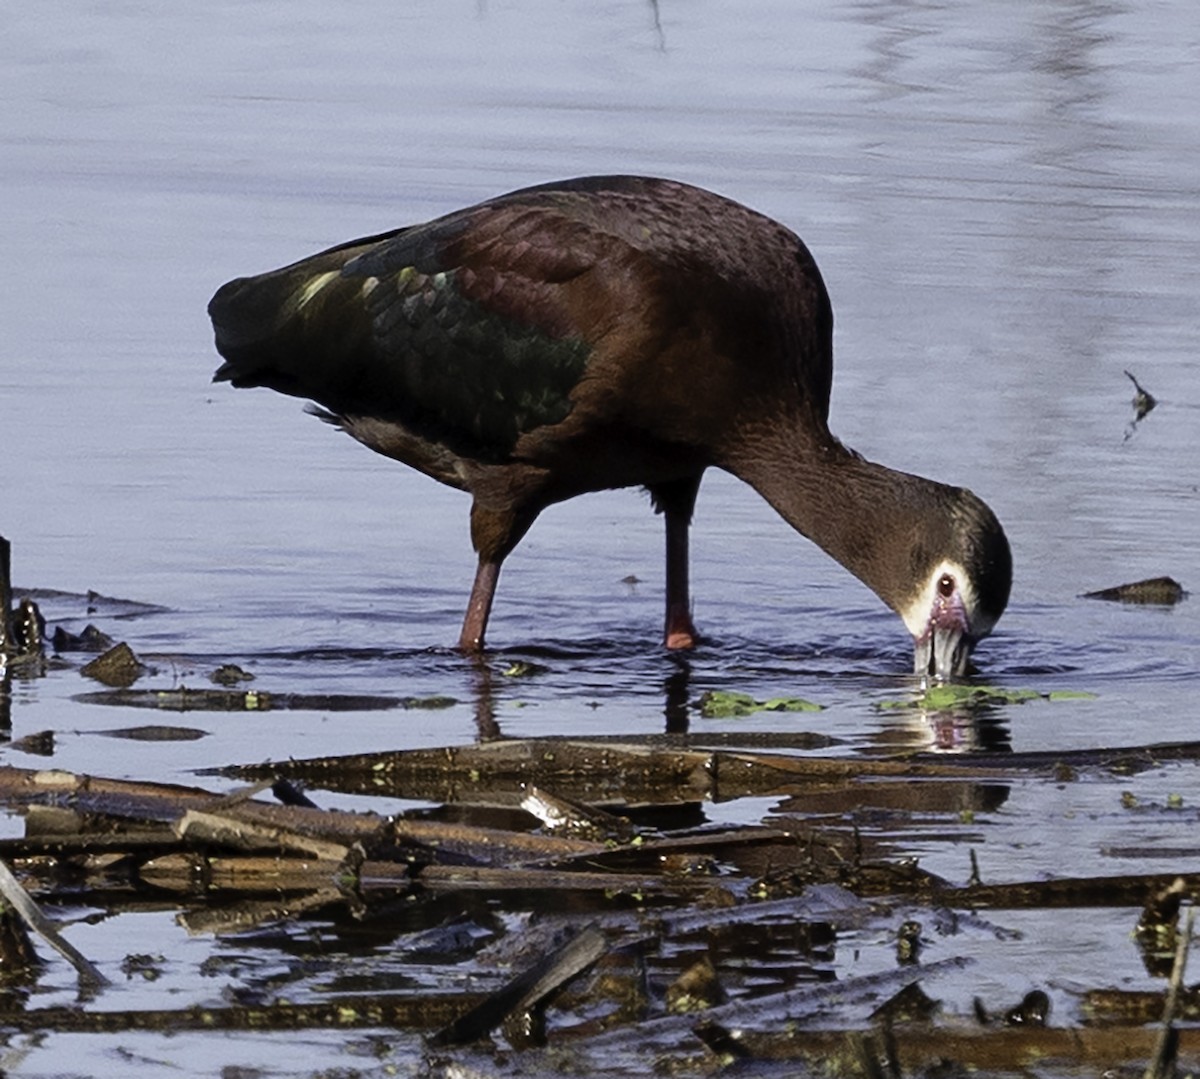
675, 500
479, 606
679, 631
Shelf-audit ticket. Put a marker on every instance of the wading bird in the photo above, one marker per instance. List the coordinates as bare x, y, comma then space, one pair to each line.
609, 332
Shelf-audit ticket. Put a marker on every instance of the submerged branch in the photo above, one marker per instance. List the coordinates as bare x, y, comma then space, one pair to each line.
1162, 1065
23, 904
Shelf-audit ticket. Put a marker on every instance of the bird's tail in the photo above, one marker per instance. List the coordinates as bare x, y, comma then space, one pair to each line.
269, 327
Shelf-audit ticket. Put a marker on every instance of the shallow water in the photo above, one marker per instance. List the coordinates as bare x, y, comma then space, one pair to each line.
1003, 202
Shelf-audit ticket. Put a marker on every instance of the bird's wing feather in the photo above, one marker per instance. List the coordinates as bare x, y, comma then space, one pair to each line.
477, 328
472, 323
462, 329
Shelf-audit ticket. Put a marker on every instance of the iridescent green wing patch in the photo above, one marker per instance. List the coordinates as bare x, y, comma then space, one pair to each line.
473, 340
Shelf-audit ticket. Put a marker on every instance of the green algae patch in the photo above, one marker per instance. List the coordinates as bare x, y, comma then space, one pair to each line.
523, 669
941, 698
728, 704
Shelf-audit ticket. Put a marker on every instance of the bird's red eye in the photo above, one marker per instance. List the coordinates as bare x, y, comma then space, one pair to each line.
945, 585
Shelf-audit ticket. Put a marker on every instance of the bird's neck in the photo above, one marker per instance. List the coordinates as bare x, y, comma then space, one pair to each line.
870, 518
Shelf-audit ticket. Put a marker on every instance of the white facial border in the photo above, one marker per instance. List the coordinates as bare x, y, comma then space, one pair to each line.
917, 614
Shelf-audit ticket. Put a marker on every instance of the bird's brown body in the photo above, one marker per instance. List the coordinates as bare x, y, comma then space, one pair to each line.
592, 334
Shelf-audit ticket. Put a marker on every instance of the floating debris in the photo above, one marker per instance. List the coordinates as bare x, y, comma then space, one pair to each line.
23, 628
562, 817
941, 696
1166, 1050
184, 699
1032, 1011
434, 703
90, 639
951, 695
908, 942
7, 643
113, 607
728, 704
522, 668
1157, 928
1153, 591
232, 862
22, 903
147, 967
1143, 403
28, 628
1143, 400
155, 732
911, 1005
40, 744
118, 667
612, 773
528, 990
725, 1044
696, 989
230, 674
19, 959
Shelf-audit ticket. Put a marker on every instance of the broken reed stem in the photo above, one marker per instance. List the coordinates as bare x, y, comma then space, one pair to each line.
1162, 1064
22, 902
6, 641
526, 990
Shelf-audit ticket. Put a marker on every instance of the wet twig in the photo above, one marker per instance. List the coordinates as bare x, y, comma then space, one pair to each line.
6, 637
22, 628
1143, 402
528, 989
1162, 1065
23, 904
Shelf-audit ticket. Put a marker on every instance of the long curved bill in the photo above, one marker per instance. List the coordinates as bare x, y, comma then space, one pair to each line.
942, 654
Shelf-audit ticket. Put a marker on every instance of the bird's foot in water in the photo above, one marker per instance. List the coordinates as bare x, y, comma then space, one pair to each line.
680, 635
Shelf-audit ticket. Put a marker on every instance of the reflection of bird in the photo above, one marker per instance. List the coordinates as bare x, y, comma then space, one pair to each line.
609, 332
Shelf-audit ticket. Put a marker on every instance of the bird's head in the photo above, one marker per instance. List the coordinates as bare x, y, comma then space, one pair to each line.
962, 589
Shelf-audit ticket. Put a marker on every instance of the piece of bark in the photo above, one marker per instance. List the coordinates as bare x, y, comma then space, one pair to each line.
529, 989
225, 830
117, 667
1162, 591
191, 872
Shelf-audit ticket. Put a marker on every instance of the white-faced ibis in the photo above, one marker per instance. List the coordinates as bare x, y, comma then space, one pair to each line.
610, 332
